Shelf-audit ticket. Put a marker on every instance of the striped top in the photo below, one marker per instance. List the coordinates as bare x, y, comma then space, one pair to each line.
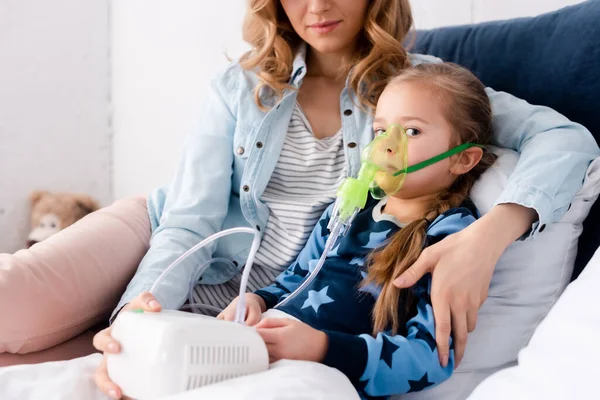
303, 184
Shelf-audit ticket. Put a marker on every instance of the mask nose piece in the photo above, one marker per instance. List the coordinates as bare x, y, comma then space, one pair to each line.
394, 131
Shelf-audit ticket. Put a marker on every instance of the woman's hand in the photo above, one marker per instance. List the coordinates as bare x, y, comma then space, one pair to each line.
292, 340
462, 265
255, 306
106, 344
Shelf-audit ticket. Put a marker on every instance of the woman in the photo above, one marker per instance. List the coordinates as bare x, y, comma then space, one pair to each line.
317, 53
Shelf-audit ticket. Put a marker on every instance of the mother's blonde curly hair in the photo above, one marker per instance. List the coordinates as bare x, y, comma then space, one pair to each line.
379, 53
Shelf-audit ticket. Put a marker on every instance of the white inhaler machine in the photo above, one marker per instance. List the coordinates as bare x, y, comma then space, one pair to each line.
174, 351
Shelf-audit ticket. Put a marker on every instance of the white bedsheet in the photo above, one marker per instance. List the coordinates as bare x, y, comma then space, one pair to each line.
285, 380
51, 381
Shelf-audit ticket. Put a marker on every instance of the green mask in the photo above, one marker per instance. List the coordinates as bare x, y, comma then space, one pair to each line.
384, 165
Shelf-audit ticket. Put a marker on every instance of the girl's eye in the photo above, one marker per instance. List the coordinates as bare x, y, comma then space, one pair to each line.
378, 131
412, 132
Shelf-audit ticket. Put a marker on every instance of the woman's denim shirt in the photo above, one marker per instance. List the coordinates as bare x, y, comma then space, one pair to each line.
228, 160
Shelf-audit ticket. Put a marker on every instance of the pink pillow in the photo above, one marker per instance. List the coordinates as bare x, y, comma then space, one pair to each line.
64, 285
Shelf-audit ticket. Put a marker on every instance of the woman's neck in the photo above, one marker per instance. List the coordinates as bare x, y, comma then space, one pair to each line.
328, 65
409, 210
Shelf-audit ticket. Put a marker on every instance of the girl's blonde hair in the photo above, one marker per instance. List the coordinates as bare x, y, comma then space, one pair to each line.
467, 109
379, 52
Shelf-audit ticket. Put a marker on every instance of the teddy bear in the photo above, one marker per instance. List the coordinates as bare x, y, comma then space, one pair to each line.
52, 212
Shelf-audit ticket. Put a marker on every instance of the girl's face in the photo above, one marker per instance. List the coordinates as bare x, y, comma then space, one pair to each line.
328, 26
416, 107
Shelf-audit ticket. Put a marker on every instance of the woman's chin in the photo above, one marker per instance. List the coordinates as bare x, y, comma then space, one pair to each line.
328, 45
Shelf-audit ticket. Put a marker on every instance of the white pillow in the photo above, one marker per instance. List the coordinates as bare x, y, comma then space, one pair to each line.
527, 281
561, 360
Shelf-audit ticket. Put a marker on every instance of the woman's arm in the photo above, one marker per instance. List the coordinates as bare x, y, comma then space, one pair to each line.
554, 156
195, 204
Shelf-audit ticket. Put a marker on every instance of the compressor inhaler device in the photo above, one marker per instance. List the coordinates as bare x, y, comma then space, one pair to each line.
173, 351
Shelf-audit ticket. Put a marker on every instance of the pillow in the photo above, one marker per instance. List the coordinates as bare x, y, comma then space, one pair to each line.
522, 292
570, 369
551, 60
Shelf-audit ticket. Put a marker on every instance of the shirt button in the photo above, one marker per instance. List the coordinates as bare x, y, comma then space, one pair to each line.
246, 188
542, 228
348, 113
240, 150
351, 145
259, 145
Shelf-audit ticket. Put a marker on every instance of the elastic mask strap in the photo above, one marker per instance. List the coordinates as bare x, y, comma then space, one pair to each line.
438, 158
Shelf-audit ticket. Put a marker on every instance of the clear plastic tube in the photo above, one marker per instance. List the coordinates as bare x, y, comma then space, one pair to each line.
337, 228
241, 307
240, 312
333, 237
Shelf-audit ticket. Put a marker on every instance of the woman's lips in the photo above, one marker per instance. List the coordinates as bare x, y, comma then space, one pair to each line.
323, 28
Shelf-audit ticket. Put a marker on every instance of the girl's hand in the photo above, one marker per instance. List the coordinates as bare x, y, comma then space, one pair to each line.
255, 306
106, 344
462, 265
292, 340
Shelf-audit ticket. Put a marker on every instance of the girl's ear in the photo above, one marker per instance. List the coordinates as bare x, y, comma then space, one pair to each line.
466, 161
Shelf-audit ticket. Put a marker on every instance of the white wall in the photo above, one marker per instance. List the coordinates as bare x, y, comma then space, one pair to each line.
165, 52
53, 105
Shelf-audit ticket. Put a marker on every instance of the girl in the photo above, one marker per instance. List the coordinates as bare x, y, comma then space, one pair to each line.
279, 130
352, 316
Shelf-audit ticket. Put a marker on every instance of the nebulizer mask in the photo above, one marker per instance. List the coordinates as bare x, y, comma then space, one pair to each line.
384, 166
172, 351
